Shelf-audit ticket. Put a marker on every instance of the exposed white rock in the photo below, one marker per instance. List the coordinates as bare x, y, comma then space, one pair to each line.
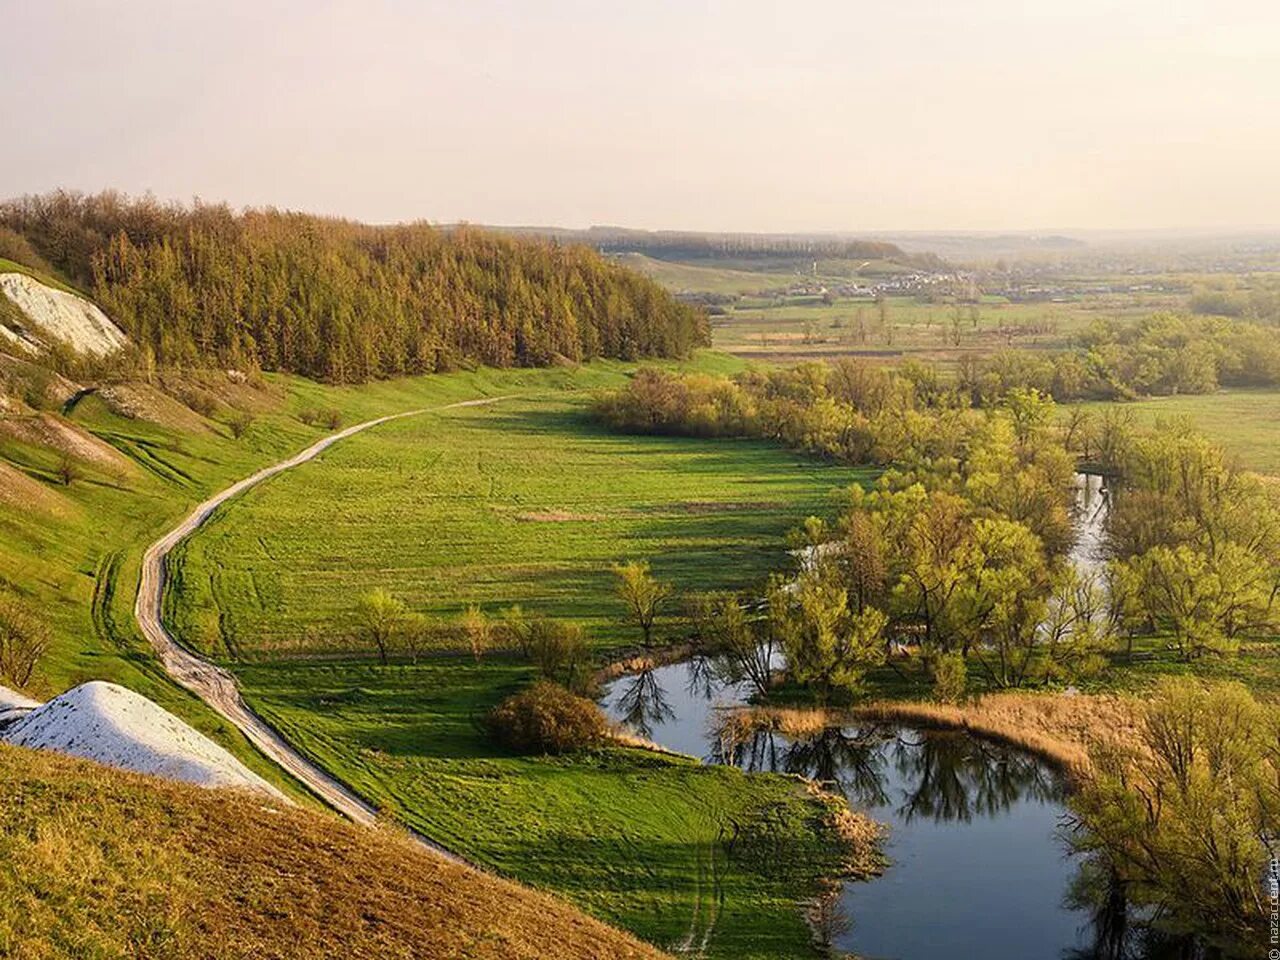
112, 725
58, 315
14, 705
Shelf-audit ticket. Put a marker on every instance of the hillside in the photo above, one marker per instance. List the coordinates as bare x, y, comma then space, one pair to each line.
55, 315
115, 726
97, 862
338, 300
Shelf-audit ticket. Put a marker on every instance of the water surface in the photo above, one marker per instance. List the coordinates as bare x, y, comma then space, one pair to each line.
979, 867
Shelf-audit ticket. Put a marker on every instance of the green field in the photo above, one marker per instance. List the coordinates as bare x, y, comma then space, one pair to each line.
1246, 423
632, 837
525, 501
74, 550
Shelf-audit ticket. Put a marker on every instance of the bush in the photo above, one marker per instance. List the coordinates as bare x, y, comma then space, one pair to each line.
950, 676
558, 649
547, 718
239, 423
24, 637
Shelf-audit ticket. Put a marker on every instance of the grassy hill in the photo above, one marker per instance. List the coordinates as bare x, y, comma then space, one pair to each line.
99, 863
627, 835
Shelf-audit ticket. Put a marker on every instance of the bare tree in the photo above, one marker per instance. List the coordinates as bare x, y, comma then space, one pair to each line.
24, 637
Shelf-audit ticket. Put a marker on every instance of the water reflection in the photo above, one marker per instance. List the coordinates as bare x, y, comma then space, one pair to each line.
941, 776
1116, 929
977, 861
642, 703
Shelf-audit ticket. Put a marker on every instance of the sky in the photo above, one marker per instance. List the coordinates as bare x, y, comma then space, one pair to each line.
678, 114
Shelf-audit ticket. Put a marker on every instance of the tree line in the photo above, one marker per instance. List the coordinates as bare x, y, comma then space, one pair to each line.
342, 301
958, 554
1159, 355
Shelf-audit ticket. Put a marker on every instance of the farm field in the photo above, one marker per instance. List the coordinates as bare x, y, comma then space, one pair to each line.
794, 328
1245, 422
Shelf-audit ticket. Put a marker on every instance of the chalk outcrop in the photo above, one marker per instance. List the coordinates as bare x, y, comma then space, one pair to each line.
115, 726
58, 315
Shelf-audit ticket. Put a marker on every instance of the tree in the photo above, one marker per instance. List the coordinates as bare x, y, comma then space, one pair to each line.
1186, 816
740, 648
478, 630
1206, 601
827, 645
68, 470
414, 633
560, 652
24, 637
643, 595
381, 617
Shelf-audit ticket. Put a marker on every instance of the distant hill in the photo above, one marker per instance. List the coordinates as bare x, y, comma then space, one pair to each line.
726, 248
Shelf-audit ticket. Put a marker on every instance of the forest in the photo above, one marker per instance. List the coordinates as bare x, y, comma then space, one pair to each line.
337, 300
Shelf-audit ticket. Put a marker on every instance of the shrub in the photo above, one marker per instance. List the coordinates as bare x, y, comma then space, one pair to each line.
239, 423
547, 718
559, 650
24, 637
950, 676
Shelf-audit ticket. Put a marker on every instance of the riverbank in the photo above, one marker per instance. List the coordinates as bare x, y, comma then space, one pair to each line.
1061, 728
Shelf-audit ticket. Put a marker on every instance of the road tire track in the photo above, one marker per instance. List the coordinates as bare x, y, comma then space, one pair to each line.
216, 686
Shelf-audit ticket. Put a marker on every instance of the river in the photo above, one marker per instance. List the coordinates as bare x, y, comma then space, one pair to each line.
978, 866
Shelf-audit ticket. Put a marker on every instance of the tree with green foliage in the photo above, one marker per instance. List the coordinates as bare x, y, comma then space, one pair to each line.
1205, 601
381, 616
741, 648
643, 595
478, 630
341, 301
828, 646
559, 650
1186, 816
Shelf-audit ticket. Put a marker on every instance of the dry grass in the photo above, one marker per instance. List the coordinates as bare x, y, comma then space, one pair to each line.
46, 430
95, 862
19, 490
1059, 727
644, 660
141, 401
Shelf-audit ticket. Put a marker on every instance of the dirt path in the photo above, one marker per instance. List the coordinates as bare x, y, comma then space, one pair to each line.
216, 686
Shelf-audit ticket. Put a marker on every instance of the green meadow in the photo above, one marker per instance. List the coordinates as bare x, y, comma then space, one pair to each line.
524, 501
1246, 423
633, 837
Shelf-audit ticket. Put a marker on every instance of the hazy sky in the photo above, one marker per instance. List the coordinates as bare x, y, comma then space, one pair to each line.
735, 115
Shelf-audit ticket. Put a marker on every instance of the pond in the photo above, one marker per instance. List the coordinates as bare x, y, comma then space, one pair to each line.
978, 866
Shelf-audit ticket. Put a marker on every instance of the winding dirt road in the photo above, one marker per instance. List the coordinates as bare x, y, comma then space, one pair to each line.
216, 686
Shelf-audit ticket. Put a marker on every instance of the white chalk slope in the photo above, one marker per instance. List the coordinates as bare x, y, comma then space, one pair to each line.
107, 723
14, 705
58, 315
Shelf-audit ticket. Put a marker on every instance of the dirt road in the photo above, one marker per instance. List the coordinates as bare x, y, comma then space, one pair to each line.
216, 686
